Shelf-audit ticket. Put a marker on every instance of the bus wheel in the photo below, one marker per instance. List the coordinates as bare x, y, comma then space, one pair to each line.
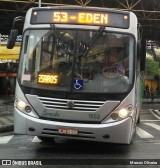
46, 139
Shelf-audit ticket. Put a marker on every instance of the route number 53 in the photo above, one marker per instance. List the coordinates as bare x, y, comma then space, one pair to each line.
60, 17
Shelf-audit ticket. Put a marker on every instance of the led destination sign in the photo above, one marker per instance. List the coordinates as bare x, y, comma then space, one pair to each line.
81, 17
110, 19
47, 79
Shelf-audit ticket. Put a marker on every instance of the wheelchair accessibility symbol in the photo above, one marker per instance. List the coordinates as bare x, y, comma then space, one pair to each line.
78, 84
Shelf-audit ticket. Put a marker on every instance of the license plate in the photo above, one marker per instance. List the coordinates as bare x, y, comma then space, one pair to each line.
68, 131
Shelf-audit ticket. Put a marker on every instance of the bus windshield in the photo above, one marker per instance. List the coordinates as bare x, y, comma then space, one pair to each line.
77, 60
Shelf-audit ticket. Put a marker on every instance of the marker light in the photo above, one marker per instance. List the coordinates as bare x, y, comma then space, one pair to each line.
125, 17
35, 13
123, 113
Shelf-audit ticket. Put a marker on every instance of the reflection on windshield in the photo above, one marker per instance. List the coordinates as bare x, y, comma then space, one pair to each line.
78, 60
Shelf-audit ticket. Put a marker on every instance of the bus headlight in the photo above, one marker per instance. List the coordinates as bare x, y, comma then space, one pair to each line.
122, 113
22, 106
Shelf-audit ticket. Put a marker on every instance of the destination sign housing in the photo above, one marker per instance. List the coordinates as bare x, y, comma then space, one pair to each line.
82, 17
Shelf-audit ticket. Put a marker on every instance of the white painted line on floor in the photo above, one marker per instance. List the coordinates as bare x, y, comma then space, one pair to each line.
5, 120
36, 139
157, 127
144, 112
143, 134
5, 139
154, 114
150, 120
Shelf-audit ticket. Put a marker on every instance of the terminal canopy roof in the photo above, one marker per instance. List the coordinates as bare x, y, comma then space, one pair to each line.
147, 11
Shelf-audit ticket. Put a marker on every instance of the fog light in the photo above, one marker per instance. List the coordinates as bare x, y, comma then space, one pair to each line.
123, 113
28, 109
114, 116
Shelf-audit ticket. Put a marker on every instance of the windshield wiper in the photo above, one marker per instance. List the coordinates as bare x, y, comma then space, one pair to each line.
60, 37
95, 37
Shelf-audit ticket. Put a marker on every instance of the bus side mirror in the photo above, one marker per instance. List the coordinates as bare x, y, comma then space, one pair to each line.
14, 32
12, 38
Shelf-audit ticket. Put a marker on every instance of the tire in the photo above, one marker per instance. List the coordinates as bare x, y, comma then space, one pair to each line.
46, 139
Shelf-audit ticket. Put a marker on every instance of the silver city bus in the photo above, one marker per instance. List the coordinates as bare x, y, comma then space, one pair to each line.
69, 83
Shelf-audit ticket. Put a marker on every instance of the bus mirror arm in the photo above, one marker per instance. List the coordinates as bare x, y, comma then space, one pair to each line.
13, 33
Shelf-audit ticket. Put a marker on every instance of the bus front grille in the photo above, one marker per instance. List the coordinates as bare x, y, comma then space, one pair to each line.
66, 104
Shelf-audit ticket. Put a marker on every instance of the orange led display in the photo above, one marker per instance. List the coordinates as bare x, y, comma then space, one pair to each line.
81, 17
47, 79
93, 18
60, 17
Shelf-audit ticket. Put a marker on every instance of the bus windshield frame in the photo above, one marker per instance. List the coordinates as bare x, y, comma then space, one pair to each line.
72, 65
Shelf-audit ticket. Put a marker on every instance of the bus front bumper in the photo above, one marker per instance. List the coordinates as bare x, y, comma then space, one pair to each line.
117, 132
